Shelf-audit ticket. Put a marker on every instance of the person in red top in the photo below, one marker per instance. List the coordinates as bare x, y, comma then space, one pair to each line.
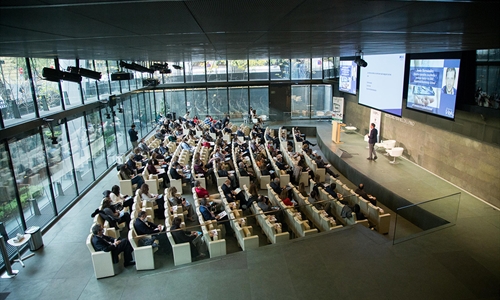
201, 192
285, 199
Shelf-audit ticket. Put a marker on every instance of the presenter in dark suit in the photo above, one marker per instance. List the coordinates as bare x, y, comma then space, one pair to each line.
372, 139
106, 243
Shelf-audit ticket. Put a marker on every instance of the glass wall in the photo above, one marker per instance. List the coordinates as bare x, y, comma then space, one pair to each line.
196, 102
96, 137
300, 102
259, 69
47, 92
259, 100
321, 100
217, 102
89, 86
72, 96
317, 68
115, 85
176, 102
216, 70
81, 153
301, 69
33, 185
177, 75
237, 70
16, 99
488, 78
108, 128
238, 102
195, 71
280, 69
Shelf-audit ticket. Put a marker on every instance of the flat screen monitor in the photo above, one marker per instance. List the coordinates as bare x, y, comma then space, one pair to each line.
432, 86
348, 76
381, 83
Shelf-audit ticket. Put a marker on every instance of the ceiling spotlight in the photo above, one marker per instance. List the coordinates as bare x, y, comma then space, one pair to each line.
177, 67
358, 59
57, 75
120, 109
108, 115
54, 140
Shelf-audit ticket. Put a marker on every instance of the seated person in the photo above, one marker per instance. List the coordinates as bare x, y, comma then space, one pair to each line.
244, 172
201, 192
105, 243
131, 164
319, 204
359, 215
144, 147
125, 174
208, 214
177, 173
286, 199
275, 185
233, 195
321, 164
114, 211
143, 227
254, 194
361, 192
160, 173
192, 237
138, 157
154, 199
117, 197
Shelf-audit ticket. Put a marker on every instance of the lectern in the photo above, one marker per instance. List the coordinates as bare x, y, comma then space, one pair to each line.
336, 129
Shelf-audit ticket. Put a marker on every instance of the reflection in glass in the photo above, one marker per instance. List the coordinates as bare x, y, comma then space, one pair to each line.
177, 75
237, 70
216, 70
196, 100
160, 103
115, 85
60, 166
217, 102
9, 211
71, 90
150, 109
176, 102
109, 135
280, 69
301, 69
238, 102
96, 137
47, 92
259, 69
89, 86
140, 115
259, 100
317, 68
81, 153
300, 101
127, 114
195, 71
103, 84
120, 125
16, 100
30, 169
321, 101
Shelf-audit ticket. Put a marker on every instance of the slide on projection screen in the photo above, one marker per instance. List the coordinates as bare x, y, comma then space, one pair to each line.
381, 83
432, 86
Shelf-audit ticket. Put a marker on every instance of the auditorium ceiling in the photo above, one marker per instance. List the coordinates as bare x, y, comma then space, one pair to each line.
176, 31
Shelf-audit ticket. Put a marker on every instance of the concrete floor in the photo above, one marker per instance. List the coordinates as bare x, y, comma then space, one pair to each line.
459, 262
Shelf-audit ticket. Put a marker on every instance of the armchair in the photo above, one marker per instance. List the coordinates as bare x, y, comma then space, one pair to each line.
395, 152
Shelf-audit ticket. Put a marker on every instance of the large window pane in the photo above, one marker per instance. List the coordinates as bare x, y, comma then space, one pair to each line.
9, 211
109, 134
60, 166
122, 124
141, 114
259, 100
71, 90
195, 71
259, 69
103, 84
301, 69
238, 102
216, 70
115, 85
159, 103
177, 75
317, 68
30, 170
329, 67
321, 101
196, 102
300, 101
89, 86
81, 153
237, 70
217, 102
47, 92
280, 69
150, 110
176, 102
16, 100
96, 138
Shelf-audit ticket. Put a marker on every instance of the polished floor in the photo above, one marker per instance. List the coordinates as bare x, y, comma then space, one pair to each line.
458, 262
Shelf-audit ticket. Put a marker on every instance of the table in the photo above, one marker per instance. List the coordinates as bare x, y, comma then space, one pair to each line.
19, 244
